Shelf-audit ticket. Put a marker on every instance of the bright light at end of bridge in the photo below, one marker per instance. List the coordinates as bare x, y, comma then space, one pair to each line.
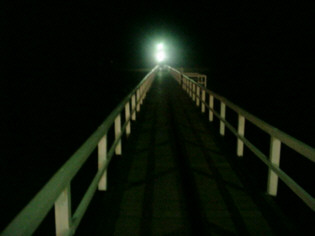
160, 53
160, 46
160, 56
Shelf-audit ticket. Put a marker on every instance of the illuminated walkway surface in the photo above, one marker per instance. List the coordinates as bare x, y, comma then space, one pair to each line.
172, 178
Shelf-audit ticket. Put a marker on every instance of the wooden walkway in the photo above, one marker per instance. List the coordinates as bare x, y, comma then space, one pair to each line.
172, 178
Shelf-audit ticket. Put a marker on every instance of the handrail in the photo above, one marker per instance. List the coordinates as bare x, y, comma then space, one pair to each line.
277, 136
57, 189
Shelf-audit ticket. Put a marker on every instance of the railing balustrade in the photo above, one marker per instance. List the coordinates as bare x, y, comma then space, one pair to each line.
277, 137
57, 191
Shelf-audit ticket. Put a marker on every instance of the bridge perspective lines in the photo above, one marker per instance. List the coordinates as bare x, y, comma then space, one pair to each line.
173, 178
162, 169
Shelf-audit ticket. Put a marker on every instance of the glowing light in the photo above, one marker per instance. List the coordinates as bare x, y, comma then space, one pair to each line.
160, 46
160, 52
160, 56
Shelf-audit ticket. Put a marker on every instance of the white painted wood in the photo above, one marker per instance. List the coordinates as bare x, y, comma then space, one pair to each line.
241, 132
199, 78
141, 94
117, 134
186, 85
275, 149
203, 101
102, 157
144, 90
211, 105
133, 107
222, 115
138, 100
127, 117
190, 89
198, 96
63, 212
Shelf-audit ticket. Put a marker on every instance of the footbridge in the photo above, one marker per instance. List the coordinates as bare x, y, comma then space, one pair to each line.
159, 165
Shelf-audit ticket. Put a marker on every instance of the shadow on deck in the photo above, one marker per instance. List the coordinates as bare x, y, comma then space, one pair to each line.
173, 178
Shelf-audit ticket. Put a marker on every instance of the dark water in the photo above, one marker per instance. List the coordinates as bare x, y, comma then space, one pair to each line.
48, 115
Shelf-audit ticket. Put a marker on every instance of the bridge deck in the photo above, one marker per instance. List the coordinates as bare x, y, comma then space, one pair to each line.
172, 178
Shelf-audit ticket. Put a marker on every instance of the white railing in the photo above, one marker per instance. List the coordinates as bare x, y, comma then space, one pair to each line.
57, 191
198, 93
199, 78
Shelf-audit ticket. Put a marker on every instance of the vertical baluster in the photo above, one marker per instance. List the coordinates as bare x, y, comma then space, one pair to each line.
63, 212
222, 114
141, 94
133, 107
183, 81
117, 134
138, 99
127, 117
211, 105
241, 131
198, 96
194, 92
203, 100
102, 157
275, 148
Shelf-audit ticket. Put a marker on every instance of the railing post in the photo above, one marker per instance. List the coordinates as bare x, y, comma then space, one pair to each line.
190, 88
194, 92
241, 132
145, 90
141, 94
117, 134
198, 96
138, 99
222, 114
127, 117
187, 86
211, 103
183, 81
203, 100
275, 148
133, 107
63, 212
102, 156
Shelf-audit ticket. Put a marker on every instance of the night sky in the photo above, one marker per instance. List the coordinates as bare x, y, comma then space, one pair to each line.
60, 60
214, 35
259, 55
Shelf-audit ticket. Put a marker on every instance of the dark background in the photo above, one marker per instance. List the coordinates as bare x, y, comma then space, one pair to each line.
250, 50
65, 66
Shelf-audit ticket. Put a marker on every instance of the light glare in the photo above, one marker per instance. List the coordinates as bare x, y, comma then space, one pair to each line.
160, 46
160, 56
